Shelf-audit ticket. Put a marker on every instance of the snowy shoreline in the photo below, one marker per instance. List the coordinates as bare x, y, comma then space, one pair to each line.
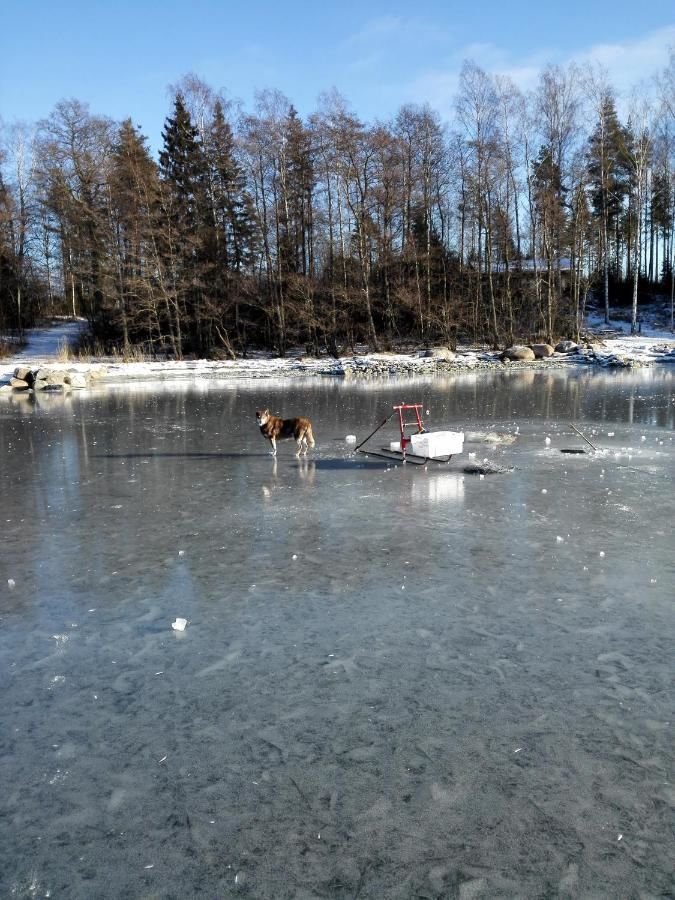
602, 347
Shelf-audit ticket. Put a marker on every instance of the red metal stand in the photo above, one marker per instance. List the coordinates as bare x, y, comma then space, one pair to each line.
403, 424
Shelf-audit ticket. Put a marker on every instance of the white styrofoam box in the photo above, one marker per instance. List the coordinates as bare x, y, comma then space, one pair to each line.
437, 443
395, 446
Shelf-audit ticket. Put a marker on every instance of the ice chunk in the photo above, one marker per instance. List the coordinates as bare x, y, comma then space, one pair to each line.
351, 438
11, 583
179, 624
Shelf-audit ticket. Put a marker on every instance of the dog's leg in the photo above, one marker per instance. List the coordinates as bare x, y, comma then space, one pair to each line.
274, 446
298, 444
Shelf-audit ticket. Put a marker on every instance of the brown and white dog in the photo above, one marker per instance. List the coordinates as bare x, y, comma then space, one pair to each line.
276, 429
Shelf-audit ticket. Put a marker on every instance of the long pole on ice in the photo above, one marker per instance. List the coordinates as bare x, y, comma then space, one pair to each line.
381, 425
583, 436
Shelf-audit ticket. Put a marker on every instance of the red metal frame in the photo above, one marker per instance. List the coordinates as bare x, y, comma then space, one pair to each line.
403, 424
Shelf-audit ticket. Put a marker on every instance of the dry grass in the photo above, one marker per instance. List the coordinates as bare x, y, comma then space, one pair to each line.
134, 354
88, 352
9, 346
65, 352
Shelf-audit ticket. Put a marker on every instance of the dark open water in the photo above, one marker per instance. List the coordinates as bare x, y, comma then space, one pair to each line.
394, 683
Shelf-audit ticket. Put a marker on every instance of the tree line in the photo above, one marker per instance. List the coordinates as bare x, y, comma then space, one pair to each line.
263, 230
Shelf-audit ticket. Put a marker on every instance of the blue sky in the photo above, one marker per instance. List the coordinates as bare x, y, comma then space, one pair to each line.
120, 57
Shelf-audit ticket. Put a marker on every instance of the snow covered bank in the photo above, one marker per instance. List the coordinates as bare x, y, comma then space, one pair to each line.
602, 346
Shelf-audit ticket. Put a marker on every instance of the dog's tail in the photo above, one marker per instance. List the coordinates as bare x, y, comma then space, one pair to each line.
309, 435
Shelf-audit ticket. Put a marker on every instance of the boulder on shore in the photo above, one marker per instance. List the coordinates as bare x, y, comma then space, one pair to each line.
542, 351
566, 347
436, 353
24, 374
76, 379
46, 379
441, 353
518, 353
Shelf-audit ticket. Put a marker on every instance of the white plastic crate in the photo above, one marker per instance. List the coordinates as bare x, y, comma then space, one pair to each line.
433, 444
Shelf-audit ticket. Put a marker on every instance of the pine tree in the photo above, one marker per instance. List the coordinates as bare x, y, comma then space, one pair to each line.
185, 206
232, 203
607, 171
232, 238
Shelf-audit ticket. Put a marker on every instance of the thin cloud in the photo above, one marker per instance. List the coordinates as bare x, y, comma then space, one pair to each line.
389, 37
627, 64
631, 62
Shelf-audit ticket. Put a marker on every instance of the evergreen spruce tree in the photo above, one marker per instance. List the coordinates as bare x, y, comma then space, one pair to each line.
186, 214
232, 237
608, 179
233, 209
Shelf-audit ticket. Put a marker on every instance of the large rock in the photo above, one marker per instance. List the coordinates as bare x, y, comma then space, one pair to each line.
49, 379
19, 384
76, 380
518, 353
439, 353
566, 347
542, 351
24, 373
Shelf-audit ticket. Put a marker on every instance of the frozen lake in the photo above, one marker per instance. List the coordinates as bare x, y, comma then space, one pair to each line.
395, 682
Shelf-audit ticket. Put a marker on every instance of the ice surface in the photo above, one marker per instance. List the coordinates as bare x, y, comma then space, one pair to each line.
488, 731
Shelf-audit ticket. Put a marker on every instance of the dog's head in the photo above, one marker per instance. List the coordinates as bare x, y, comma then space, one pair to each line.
262, 416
